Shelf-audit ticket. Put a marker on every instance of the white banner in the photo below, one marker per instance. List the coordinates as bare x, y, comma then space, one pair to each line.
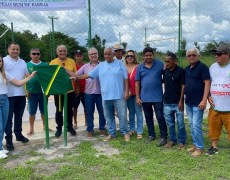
42, 5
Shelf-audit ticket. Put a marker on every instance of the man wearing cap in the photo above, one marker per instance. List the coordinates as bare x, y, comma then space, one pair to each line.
197, 85
219, 99
149, 94
173, 99
118, 51
79, 87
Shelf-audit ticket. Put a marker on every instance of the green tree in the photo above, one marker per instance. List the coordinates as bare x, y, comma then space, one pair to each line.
99, 45
183, 46
60, 38
197, 45
208, 47
124, 44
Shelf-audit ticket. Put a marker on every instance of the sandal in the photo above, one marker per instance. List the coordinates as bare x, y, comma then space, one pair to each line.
131, 133
170, 144
139, 136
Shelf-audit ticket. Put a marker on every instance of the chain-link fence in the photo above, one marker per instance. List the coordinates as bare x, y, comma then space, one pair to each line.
134, 23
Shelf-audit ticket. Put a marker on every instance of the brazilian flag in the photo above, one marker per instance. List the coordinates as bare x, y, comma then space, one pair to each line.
53, 79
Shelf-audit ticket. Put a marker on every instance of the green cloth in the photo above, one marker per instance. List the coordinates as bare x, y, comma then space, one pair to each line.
33, 86
61, 84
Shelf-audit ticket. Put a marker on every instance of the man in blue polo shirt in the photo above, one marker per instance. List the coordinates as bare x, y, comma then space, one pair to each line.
149, 93
197, 85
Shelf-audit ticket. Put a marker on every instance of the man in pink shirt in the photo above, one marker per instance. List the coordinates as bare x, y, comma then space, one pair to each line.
93, 95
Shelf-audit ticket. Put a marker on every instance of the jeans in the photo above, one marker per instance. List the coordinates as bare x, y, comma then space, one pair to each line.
109, 107
90, 101
134, 108
16, 108
4, 110
59, 113
170, 111
148, 110
195, 117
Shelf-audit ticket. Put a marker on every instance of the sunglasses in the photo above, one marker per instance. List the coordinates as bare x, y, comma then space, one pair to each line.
38, 54
129, 56
192, 55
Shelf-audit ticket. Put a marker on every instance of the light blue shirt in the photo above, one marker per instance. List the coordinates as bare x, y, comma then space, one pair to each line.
111, 77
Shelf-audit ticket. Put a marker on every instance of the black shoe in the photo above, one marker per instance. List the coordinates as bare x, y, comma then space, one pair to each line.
22, 138
58, 133
72, 131
211, 151
9, 146
150, 139
162, 142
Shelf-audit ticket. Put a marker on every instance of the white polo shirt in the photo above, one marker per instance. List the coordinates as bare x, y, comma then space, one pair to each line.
18, 70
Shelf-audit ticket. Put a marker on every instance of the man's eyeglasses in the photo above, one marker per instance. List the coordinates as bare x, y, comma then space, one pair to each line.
38, 54
93, 54
192, 55
129, 56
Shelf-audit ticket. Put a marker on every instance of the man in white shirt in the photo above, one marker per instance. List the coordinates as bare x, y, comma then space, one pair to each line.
219, 99
16, 67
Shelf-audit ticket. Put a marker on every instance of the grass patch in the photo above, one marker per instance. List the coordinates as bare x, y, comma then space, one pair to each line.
136, 160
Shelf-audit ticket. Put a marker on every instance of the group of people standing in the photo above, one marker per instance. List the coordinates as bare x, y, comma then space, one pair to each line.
121, 83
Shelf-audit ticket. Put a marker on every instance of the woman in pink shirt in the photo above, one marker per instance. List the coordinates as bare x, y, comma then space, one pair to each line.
134, 109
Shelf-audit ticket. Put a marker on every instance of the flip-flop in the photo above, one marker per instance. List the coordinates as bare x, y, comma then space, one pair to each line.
139, 136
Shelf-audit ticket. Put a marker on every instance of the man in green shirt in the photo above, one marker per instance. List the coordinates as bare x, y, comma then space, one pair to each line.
34, 91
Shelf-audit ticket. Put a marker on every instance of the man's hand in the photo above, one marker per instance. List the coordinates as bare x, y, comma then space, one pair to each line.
126, 96
181, 106
210, 100
203, 104
138, 100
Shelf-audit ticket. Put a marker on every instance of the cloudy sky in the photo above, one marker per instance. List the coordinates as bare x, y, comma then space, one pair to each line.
126, 20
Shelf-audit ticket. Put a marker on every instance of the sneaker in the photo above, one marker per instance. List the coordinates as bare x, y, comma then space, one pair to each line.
102, 133
22, 138
90, 135
170, 144
197, 153
191, 149
9, 146
150, 139
211, 151
2, 155
72, 131
108, 138
162, 142
5, 151
181, 147
127, 137
58, 133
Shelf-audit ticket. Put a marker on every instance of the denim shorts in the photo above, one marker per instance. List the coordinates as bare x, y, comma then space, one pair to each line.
35, 101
